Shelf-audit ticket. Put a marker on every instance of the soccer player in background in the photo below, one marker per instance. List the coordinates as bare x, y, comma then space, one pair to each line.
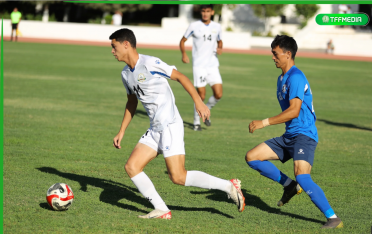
145, 79
207, 44
301, 137
15, 17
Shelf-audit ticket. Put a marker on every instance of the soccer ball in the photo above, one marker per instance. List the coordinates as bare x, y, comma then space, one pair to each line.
59, 196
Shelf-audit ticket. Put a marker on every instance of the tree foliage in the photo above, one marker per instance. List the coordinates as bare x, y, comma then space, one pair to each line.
105, 7
267, 10
118, 7
306, 10
218, 8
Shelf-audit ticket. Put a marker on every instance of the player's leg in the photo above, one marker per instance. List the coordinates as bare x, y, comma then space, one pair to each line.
179, 175
303, 161
139, 158
175, 161
257, 158
215, 81
16, 35
199, 83
11, 35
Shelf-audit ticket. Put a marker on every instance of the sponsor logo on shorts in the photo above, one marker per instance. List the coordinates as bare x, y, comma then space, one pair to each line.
167, 147
141, 78
157, 61
301, 151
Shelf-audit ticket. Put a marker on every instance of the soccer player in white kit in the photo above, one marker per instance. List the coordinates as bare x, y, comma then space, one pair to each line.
145, 78
207, 44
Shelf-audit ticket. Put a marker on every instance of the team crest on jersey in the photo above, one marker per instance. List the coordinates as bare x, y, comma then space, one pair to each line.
284, 88
141, 78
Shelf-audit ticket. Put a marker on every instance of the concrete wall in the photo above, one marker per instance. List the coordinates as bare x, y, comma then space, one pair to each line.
101, 33
346, 41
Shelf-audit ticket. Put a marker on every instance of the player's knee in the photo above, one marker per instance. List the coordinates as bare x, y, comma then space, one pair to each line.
178, 178
217, 96
131, 169
250, 156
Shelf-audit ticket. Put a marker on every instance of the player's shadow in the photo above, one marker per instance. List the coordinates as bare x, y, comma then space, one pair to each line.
346, 125
113, 192
255, 201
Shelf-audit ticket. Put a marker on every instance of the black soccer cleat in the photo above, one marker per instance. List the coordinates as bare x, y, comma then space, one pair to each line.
333, 223
208, 122
292, 189
197, 127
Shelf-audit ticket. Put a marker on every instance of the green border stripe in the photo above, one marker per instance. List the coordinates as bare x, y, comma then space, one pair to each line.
2, 123
230, 2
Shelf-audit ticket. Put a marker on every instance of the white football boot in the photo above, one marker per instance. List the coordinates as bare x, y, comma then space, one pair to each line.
157, 214
236, 194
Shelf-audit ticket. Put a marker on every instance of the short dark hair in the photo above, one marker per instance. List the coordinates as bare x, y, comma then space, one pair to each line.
285, 43
124, 34
206, 6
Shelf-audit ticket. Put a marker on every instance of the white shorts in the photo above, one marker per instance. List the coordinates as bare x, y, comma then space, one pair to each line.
204, 76
168, 142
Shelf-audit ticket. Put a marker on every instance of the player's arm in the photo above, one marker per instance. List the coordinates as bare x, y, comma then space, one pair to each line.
219, 47
290, 113
185, 58
201, 108
129, 112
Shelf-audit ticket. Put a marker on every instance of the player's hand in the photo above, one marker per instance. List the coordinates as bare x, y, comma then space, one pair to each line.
254, 125
185, 59
117, 140
203, 110
219, 51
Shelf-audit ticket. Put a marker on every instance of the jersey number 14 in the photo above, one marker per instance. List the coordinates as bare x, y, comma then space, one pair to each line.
207, 37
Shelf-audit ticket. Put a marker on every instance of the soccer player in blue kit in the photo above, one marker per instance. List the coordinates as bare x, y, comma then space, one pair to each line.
301, 137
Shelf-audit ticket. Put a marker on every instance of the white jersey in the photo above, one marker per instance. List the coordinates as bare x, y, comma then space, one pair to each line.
205, 37
148, 82
117, 18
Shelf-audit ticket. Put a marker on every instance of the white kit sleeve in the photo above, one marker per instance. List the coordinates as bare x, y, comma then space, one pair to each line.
129, 92
189, 31
161, 68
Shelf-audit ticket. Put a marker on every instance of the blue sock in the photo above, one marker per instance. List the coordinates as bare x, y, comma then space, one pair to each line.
268, 170
315, 193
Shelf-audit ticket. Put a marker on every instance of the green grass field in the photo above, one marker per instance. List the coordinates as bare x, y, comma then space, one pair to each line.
63, 104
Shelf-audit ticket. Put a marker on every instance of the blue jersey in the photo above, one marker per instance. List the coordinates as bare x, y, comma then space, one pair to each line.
295, 85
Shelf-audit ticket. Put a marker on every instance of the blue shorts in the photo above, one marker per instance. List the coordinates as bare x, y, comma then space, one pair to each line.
300, 147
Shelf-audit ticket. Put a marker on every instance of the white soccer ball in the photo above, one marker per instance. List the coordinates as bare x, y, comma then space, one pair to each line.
59, 196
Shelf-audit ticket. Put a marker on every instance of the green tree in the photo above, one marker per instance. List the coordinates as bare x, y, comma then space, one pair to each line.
218, 9
105, 7
264, 11
307, 11
267, 10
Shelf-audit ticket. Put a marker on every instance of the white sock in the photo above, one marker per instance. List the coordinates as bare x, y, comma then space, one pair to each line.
287, 182
333, 216
212, 102
147, 189
203, 180
196, 117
